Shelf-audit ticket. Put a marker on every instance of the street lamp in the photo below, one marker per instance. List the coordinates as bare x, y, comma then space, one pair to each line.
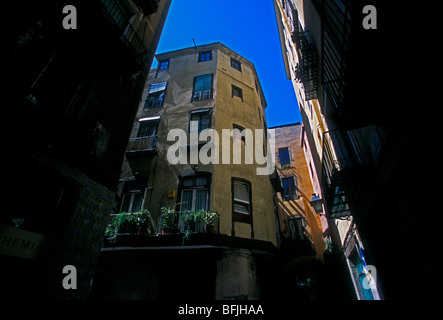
316, 203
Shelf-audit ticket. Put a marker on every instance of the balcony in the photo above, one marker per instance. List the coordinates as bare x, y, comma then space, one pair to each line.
130, 42
348, 160
148, 6
138, 226
142, 145
130, 224
307, 68
296, 240
276, 181
189, 222
202, 95
107, 29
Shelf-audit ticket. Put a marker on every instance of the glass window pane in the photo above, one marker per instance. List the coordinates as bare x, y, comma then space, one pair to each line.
137, 202
195, 116
126, 202
189, 182
241, 192
164, 64
285, 185
204, 124
147, 128
236, 92
203, 82
157, 87
200, 199
186, 202
201, 181
241, 209
202, 118
284, 156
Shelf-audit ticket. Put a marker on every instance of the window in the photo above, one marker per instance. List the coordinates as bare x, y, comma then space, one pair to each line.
237, 92
132, 202
203, 118
290, 188
164, 64
238, 133
156, 95
283, 154
241, 200
194, 193
296, 227
241, 197
265, 128
235, 64
202, 87
147, 128
204, 56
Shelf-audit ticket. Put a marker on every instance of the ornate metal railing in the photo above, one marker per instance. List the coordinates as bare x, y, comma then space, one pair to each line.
142, 144
131, 40
348, 159
183, 222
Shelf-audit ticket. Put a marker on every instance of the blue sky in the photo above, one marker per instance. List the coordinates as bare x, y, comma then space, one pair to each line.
249, 28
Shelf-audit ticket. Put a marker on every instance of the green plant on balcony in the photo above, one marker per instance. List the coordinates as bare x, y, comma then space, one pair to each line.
168, 219
209, 217
130, 223
285, 166
188, 219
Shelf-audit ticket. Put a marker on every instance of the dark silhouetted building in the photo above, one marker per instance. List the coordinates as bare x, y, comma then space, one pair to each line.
70, 98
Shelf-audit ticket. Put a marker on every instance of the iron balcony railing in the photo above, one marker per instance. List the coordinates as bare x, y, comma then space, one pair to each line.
307, 68
115, 16
202, 95
336, 37
187, 222
130, 224
276, 181
348, 158
142, 144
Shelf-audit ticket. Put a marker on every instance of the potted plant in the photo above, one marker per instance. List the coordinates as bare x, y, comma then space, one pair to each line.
136, 223
168, 219
187, 221
208, 218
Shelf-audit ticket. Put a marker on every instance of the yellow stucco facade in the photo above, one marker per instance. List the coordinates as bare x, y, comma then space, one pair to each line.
294, 205
243, 109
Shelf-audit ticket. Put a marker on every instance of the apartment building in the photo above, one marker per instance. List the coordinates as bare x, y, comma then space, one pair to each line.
212, 96
304, 241
72, 96
345, 80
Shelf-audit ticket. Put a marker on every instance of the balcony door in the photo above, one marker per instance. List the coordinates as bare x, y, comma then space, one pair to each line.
194, 193
147, 128
194, 199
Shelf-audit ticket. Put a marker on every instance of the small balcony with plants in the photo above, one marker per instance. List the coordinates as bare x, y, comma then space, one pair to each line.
173, 227
187, 223
133, 224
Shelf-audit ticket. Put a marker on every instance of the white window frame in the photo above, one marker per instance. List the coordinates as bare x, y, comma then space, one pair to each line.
194, 196
131, 201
